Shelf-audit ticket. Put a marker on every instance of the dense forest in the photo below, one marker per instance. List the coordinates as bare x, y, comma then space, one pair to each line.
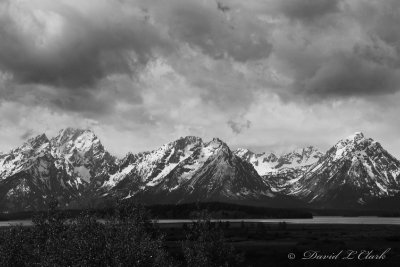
127, 238
217, 210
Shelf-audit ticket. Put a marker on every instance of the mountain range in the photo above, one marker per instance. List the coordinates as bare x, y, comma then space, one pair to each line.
75, 168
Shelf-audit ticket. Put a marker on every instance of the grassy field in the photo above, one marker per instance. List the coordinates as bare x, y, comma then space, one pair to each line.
270, 244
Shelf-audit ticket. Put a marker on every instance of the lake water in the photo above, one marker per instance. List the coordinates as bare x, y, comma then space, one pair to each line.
315, 220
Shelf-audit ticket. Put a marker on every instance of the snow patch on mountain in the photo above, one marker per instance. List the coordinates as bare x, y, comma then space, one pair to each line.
118, 176
74, 164
354, 163
268, 164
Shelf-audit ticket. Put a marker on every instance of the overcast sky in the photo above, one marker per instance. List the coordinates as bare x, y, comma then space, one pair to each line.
269, 75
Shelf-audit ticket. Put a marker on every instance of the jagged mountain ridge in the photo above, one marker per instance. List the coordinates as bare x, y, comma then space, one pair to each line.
154, 165
281, 171
83, 151
353, 172
212, 172
61, 167
269, 163
188, 170
29, 175
74, 166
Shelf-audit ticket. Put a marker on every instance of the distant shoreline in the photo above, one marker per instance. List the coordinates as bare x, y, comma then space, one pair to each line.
319, 220
216, 210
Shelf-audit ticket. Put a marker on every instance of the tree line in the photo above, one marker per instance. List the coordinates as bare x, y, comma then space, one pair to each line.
127, 237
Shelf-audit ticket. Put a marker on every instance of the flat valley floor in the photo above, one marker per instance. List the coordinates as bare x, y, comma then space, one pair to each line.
269, 244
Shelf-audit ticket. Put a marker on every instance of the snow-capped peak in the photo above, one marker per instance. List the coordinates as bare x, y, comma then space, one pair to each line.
32, 146
69, 134
37, 141
189, 139
356, 168
217, 141
357, 136
217, 144
349, 144
72, 140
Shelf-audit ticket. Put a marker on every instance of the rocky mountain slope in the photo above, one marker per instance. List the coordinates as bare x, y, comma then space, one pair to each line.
61, 167
279, 172
266, 164
188, 170
75, 168
352, 173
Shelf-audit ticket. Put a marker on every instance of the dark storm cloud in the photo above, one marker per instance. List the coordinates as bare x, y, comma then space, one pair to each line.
215, 28
380, 18
356, 54
307, 10
91, 48
348, 75
84, 50
73, 48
